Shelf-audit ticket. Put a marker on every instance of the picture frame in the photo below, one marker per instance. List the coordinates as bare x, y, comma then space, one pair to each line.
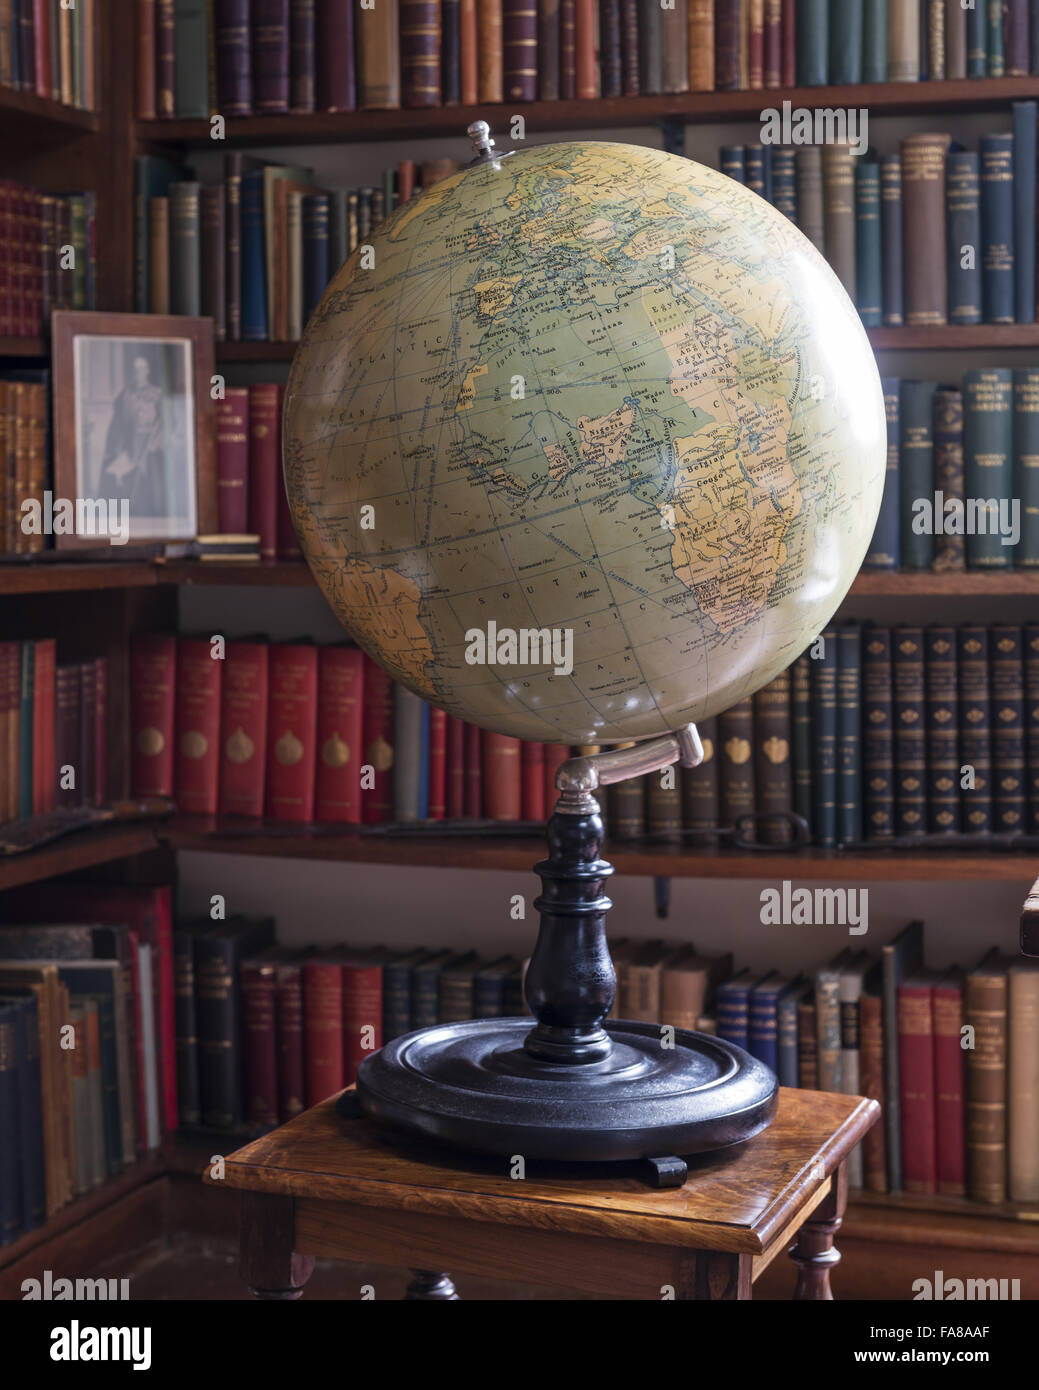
134, 427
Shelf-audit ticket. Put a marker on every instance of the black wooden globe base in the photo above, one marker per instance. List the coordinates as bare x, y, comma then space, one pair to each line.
572, 1086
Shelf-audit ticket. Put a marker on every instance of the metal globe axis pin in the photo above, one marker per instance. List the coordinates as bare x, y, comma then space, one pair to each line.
573, 1087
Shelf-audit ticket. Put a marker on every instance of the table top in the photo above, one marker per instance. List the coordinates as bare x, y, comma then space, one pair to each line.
737, 1199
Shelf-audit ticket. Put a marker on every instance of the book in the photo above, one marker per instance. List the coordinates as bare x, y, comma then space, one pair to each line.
903, 43
243, 728
787, 1006
871, 1084
849, 733
950, 1141
891, 240
996, 178
264, 480
941, 718
1006, 690
1025, 474
688, 983
985, 1013
700, 791
908, 712
763, 1018
1023, 1081
521, 54
972, 650
824, 740
197, 703
963, 236
851, 984
868, 257
923, 202
900, 958
732, 1007
916, 470
885, 549
950, 551
337, 790
291, 732
772, 767
988, 462
828, 1021
736, 761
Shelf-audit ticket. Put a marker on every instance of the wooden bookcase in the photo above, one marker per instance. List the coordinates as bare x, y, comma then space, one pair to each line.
100, 604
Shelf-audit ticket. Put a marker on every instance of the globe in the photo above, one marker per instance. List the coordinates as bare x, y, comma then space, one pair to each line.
585, 443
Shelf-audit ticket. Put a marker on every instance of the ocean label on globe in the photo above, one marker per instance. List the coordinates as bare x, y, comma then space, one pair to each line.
591, 389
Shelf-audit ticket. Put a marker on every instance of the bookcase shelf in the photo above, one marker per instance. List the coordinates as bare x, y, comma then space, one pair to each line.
949, 1206
341, 127
81, 850
26, 115
22, 347
282, 574
56, 576
255, 352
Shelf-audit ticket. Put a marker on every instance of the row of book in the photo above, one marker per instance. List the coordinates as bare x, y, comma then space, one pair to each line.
873, 732
962, 481
24, 454
268, 57
298, 733
53, 743
48, 47
48, 256
87, 1059
254, 252
932, 235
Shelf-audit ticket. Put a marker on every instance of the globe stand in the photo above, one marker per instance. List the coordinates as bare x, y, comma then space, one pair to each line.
574, 1087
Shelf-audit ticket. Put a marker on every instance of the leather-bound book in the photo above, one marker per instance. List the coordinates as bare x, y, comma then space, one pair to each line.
871, 1084
988, 456
1016, 39
450, 53
233, 232
259, 1038
949, 549
489, 985
857, 969
934, 18
726, 45
264, 464
436, 807
824, 740
786, 1029
1006, 686
736, 766
784, 182
813, 42
314, 231
899, 958
975, 726
292, 732
923, 211
1024, 165
1031, 670
302, 56
963, 229
869, 275
916, 1081
323, 1026
165, 57
773, 43
664, 804
243, 728
219, 952
420, 52
1023, 1081
828, 1021
153, 661
985, 1010
801, 746
44, 780
609, 48
756, 44
270, 56
763, 1026
396, 992
87, 736
996, 178
213, 286
687, 986
877, 734
631, 85
468, 51
885, 548
808, 165
942, 720
473, 749
916, 469
839, 212
232, 461
874, 43
335, 56
977, 56
549, 48
567, 49
650, 53
903, 40
192, 56
197, 763
158, 256
455, 782
732, 1007
674, 47
908, 708
772, 767
362, 1009
456, 988
955, 40
378, 57
849, 733
532, 772
949, 1099
520, 49
586, 50
144, 85
490, 50
501, 776
288, 1024
642, 986
807, 1047
700, 792
425, 988
233, 54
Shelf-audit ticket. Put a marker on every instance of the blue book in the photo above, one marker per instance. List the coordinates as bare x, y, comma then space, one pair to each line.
758, 169
885, 549
731, 159
988, 456
813, 42
891, 239
995, 60
868, 268
253, 255
963, 236
997, 227
732, 1008
977, 53
786, 1029
763, 1021
874, 47
784, 181
315, 250
1025, 155
846, 26
916, 468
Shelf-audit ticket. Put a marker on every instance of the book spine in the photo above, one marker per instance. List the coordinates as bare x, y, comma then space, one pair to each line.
663, 805
700, 791
955, 40
315, 251
99, 732
1031, 675
839, 213
322, 1030
885, 550
674, 47
996, 178
732, 1008
288, 1006
923, 208
232, 453
942, 720
158, 256
490, 49
450, 53
868, 265
25, 737
259, 1046
824, 729
165, 56
813, 42
1024, 189
988, 452
264, 465
846, 34
270, 56
568, 50
532, 772
1022, 1085
874, 45
335, 55
586, 57
995, 50
985, 1010
212, 240
807, 1048
786, 1044
362, 1016
650, 52
849, 734
802, 754
1006, 686
757, 164
408, 769
68, 754
145, 59
1025, 433
152, 686
975, 728
773, 44
950, 552
871, 1084
87, 734
784, 183
916, 470
520, 53
292, 732
903, 42
736, 769
772, 774
976, 41
233, 244
234, 82
808, 162
630, 84
951, 1157
763, 1029
302, 56
828, 1029
253, 277
420, 52
917, 1090
43, 728
548, 50
501, 776
609, 47
908, 706
186, 1025
378, 748
932, 16
243, 728
337, 792
396, 999
455, 782
197, 763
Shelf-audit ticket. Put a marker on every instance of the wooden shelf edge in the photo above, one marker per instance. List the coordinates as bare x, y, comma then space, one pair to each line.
955, 337
1022, 583
81, 850
28, 107
22, 347
1023, 1213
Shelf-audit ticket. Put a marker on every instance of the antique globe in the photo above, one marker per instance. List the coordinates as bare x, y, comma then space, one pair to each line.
585, 444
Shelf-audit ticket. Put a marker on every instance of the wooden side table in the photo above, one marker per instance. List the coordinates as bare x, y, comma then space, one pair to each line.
347, 1189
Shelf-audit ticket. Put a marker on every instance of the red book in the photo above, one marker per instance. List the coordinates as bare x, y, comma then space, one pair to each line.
949, 1103
362, 1011
292, 732
455, 794
586, 56
555, 753
916, 1084
773, 43
153, 663
87, 733
501, 776
67, 752
756, 46
334, 45
259, 1046
265, 464
377, 742
473, 771
100, 729
197, 763
323, 1026
532, 768
41, 34
43, 770
243, 728
340, 700
288, 1018
788, 43
437, 807
232, 462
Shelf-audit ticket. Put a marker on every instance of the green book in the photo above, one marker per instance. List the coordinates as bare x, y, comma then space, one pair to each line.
191, 58
988, 448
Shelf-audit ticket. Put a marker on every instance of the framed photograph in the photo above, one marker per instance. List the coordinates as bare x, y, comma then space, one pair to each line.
134, 427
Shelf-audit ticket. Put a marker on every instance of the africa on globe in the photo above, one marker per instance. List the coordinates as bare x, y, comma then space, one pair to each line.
585, 444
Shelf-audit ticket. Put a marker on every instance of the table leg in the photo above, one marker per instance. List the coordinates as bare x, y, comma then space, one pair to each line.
428, 1287
814, 1252
712, 1276
268, 1263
